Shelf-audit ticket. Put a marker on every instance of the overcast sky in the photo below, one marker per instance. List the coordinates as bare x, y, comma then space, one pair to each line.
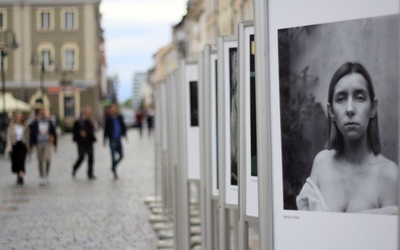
134, 31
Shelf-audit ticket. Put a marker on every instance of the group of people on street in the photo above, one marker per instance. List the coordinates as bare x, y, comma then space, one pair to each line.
142, 117
84, 136
23, 138
40, 135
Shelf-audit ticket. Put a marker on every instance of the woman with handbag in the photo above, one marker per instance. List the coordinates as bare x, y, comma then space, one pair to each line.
17, 145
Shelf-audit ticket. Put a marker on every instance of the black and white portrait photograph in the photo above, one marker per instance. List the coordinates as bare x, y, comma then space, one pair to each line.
233, 68
194, 104
339, 107
253, 117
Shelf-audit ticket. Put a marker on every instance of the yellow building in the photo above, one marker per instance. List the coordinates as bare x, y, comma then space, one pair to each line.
60, 59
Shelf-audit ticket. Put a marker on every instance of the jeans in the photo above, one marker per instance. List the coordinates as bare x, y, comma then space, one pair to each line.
116, 148
82, 150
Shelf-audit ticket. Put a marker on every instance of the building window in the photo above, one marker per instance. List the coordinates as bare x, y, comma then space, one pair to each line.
3, 19
46, 59
69, 59
43, 56
45, 19
69, 19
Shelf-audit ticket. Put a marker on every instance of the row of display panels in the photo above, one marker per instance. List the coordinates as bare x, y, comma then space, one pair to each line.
229, 111
284, 115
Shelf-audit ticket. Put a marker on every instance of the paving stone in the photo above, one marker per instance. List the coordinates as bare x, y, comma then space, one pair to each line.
78, 213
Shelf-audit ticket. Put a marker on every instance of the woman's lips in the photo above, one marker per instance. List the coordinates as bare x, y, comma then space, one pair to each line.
351, 124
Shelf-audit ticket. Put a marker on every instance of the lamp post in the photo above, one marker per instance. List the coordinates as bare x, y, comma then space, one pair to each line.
35, 61
8, 42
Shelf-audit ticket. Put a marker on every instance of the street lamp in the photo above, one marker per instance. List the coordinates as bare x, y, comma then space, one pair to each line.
8, 42
35, 61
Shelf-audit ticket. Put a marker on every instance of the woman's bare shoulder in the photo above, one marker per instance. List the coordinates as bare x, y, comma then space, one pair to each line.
388, 181
322, 162
388, 169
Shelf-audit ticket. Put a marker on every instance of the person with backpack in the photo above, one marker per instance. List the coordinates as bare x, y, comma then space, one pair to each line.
43, 136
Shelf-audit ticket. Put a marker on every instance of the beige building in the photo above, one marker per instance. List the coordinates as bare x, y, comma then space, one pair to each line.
60, 59
166, 60
204, 22
208, 19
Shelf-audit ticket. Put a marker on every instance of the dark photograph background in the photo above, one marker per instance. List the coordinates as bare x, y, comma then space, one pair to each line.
233, 74
194, 104
253, 117
308, 57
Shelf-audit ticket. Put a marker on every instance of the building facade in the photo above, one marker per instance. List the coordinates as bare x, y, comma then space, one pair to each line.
204, 21
60, 59
139, 81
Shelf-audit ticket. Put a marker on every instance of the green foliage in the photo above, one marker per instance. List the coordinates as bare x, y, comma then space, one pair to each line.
127, 103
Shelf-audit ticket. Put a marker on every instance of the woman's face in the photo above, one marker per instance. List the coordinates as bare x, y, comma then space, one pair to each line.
18, 118
352, 106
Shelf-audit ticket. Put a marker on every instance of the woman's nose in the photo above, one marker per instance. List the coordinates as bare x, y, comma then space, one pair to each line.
350, 107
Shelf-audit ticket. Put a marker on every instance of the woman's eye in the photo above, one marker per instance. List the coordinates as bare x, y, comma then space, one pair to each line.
360, 98
340, 99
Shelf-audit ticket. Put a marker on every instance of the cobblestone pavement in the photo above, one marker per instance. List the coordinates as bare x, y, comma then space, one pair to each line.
78, 213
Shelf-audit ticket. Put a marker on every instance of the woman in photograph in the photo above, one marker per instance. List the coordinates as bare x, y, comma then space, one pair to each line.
351, 175
17, 144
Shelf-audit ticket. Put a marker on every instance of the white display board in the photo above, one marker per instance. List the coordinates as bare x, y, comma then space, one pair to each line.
192, 121
308, 43
230, 84
247, 70
164, 117
214, 122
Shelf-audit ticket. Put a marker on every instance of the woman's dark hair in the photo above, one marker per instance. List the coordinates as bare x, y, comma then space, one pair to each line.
335, 140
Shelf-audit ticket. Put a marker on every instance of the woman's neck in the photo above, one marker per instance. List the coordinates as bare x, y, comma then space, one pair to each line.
356, 152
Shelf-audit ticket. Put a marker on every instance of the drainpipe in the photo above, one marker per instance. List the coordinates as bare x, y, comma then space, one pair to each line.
23, 90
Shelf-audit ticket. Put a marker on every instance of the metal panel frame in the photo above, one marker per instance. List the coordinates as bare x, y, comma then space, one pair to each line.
224, 235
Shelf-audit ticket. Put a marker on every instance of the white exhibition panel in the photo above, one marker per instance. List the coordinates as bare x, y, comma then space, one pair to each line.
157, 113
322, 230
173, 115
193, 133
214, 123
231, 189
251, 164
164, 117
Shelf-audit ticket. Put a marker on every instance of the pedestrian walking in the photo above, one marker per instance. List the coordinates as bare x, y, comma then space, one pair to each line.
150, 120
84, 136
17, 145
139, 121
43, 136
114, 130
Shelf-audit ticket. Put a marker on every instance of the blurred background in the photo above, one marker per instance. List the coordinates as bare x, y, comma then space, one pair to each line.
65, 54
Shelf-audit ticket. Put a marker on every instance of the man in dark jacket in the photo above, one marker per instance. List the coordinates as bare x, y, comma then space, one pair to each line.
83, 135
114, 130
42, 136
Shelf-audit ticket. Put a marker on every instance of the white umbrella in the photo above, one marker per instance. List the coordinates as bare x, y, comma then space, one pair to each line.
13, 104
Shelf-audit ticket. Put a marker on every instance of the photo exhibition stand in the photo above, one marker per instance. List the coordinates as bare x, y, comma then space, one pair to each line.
179, 136
190, 148
220, 131
208, 134
228, 198
324, 23
248, 184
